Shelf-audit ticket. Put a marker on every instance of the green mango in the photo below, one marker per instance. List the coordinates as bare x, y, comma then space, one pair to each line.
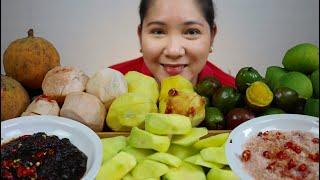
182, 151
188, 139
117, 167
186, 171
139, 154
221, 174
166, 158
149, 169
198, 160
214, 154
111, 146
142, 139
143, 84
167, 124
212, 141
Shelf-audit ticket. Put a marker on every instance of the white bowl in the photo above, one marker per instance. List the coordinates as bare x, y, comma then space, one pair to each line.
79, 135
244, 131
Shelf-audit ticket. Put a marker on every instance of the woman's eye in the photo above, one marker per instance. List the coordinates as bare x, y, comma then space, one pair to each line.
157, 32
192, 32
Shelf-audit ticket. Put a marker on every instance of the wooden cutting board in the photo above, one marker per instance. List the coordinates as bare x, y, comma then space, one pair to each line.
112, 134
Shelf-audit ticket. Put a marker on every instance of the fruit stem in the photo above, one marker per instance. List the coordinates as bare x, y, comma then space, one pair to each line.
30, 33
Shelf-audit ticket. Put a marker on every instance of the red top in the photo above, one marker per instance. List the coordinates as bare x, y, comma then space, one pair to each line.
208, 70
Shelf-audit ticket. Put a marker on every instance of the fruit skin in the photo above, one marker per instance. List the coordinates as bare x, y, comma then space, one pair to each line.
315, 83
311, 107
140, 83
226, 98
303, 58
14, 98
272, 110
208, 86
273, 74
298, 82
285, 98
29, 59
245, 77
214, 119
237, 116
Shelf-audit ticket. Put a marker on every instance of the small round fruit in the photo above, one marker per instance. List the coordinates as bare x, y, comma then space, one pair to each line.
311, 107
258, 96
237, 116
272, 110
226, 98
208, 86
315, 83
285, 98
214, 119
245, 77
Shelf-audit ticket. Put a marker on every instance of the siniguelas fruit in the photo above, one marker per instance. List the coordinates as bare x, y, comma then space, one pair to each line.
298, 82
303, 58
258, 96
273, 74
286, 98
140, 83
245, 77
315, 83
214, 119
311, 107
273, 110
226, 98
208, 86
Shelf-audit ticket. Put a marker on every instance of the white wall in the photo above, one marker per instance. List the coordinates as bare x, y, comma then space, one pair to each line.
92, 34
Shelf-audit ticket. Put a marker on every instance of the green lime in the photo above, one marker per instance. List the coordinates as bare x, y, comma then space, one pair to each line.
214, 119
315, 83
226, 98
311, 107
245, 77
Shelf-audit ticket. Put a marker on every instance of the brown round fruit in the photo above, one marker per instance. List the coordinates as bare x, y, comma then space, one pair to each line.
29, 59
14, 98
237, 116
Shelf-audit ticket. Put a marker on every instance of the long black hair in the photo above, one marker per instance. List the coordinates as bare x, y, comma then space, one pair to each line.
206, 7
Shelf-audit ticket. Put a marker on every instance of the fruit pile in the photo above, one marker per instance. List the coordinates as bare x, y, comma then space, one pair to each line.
168, 148
293, 88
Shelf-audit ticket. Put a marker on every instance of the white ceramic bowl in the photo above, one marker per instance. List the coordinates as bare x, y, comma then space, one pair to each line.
244, 131
79, 135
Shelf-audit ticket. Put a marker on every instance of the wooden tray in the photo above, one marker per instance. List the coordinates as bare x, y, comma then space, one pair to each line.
112, 134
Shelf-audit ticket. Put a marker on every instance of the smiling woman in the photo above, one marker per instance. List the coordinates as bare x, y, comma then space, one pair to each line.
176, 42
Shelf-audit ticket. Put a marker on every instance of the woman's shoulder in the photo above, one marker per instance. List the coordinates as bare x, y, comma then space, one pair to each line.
212, 70
129, 65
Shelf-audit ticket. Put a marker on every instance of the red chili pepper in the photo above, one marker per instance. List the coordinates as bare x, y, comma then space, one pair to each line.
267, 154
288, 145
291, 164
315, 140
296, 149
302, 167
282, 155
40, 154
246, 154
271, 166
314, 157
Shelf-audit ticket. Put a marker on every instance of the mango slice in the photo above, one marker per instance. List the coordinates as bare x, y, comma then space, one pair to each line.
221, 174
188, 139
166, 158
214, 154
139, 154
149, 169
185, 171
198, 160
182, 151
111, 146
212, 141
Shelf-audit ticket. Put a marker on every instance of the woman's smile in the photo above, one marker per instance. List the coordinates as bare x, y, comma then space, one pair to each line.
173, 69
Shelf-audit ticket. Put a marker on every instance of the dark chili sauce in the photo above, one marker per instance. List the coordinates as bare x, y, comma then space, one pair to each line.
42, 157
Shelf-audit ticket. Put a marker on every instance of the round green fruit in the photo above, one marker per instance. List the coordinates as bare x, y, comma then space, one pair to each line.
298, 82
311, 107
214, 119
302, 57
315, 83
273, 74
273, 110
226, 98
245, 77
207, 86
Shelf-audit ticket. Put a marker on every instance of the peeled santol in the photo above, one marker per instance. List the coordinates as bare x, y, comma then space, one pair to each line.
42, 105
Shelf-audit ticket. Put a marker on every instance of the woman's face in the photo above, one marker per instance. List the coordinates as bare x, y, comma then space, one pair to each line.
175, 39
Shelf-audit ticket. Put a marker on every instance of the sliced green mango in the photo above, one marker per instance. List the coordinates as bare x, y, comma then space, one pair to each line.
111, 146
117, 167
167, 124
198, 160
188, 139
149, 169
139, 154
142, 139
182, 151
214, 154
221, 174
186, 171
130, 177
212, 141
166, 158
